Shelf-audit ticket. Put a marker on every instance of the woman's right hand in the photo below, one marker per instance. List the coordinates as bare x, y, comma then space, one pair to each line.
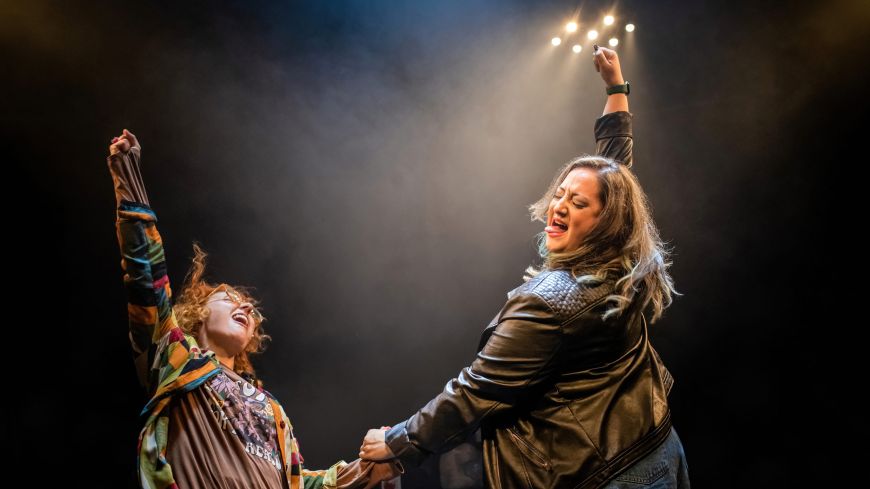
123, 143
607, 63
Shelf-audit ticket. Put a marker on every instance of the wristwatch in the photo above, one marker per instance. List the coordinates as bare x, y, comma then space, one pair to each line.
624, 88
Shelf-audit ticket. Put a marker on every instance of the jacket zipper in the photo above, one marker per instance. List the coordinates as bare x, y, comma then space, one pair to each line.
533, 454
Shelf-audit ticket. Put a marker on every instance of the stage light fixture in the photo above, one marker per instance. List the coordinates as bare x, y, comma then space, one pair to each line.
571, 27
629, 27
555, 41
592, 35
577, 48
608, 20
613, 42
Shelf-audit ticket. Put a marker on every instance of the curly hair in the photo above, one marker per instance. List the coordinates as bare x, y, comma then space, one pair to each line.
625, 244
191, 311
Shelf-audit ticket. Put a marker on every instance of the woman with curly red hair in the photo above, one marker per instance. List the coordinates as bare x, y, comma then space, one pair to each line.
209, 423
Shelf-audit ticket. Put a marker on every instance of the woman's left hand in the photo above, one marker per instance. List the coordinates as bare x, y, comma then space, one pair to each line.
374, 446
607, 63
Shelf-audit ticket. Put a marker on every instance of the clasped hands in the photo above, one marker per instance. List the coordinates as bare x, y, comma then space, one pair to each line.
374, 446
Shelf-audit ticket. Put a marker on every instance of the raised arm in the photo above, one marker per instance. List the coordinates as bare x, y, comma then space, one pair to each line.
149, 295
613, 137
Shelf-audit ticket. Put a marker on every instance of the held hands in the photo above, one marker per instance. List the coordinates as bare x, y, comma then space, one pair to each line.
607, 63
123, 143
374, 446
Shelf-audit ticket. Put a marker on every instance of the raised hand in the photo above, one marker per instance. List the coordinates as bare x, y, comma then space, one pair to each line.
123, 143
607, 63
123, 161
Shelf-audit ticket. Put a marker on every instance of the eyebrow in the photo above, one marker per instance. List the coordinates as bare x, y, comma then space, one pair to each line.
573, 194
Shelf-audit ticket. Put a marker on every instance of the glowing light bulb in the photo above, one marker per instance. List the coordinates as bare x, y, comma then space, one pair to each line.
608, 20
613, 42
555, 41
592, 35
571, 27
577, 48
629, 27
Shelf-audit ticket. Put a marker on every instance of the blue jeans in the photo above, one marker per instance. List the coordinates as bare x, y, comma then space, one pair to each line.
664, 468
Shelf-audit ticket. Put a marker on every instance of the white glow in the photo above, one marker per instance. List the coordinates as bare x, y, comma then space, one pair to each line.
555, 41
571, 27
613, 42
592, 35
577, 48
629, 27
608, 20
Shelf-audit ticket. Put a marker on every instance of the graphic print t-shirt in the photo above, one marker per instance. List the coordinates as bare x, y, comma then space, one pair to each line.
222, 435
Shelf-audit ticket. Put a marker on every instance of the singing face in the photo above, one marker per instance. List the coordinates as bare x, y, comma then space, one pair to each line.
230, 325
573, 211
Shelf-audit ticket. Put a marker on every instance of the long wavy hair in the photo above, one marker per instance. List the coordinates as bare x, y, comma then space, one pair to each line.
191, 311
624, 245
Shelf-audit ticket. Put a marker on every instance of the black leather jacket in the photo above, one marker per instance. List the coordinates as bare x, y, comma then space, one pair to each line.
563, 398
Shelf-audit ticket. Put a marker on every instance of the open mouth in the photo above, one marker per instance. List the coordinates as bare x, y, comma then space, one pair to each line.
557, 226
241, 319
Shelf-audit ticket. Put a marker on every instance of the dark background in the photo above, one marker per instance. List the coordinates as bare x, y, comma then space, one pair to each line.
367, 167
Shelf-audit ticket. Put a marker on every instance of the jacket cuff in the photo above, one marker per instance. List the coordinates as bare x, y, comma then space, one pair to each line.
132, 204
330, 479
612, 125
135, 211
400, 444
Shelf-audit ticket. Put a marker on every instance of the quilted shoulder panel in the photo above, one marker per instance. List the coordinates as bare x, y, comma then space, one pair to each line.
560, 290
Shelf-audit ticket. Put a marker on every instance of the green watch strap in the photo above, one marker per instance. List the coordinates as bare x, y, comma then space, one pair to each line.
624, 88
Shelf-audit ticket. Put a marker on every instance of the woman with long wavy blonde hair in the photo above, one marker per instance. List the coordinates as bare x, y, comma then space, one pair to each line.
567, 390
624, 243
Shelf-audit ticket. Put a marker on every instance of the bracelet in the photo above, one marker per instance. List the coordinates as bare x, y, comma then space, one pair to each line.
624, 88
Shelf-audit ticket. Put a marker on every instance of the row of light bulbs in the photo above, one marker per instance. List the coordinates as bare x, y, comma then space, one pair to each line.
592, 34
